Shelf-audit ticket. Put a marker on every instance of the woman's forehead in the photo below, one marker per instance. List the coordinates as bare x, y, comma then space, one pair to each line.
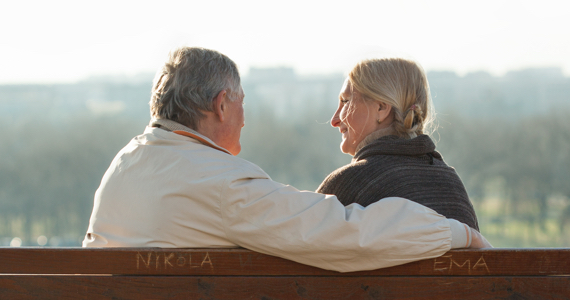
346, 89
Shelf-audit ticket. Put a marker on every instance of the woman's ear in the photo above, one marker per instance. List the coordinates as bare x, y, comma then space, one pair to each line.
384, 111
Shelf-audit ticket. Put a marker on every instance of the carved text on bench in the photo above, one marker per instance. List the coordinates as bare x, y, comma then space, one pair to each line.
451, 265
163, 260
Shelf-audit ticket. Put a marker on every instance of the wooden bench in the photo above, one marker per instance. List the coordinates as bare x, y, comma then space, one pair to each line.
153, 273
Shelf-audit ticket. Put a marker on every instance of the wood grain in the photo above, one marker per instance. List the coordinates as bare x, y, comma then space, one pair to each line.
278, 287
242, 262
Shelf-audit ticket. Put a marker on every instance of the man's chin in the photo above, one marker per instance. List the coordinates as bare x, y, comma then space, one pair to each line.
236, 150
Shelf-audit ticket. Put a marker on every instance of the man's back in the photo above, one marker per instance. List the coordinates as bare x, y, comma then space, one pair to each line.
163, 190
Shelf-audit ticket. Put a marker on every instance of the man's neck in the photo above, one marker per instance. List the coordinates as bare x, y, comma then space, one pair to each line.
186, 131
209, 127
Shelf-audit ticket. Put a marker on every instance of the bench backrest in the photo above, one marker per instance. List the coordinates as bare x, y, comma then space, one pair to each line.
240, 273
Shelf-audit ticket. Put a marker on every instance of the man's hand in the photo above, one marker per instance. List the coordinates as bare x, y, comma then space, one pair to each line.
478, 241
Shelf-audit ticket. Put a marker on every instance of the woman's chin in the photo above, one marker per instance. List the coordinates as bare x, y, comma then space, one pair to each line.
346, 149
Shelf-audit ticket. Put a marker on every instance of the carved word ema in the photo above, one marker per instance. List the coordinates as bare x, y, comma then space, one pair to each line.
441, 265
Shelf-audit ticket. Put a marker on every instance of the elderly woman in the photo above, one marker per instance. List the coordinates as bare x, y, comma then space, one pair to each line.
383, 111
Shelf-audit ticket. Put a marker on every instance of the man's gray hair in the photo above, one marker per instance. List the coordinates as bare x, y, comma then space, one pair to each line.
189, 81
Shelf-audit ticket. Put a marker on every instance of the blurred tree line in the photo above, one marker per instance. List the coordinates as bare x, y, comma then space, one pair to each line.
49, 172
57, 141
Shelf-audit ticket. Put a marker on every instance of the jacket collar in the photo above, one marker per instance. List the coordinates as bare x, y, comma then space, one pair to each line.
180, 129
374, 136
393, 145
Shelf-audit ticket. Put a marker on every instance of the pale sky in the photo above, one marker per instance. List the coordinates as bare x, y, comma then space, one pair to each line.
65, 41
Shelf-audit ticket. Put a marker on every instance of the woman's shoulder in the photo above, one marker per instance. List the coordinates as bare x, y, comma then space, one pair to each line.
353, 175
356, 166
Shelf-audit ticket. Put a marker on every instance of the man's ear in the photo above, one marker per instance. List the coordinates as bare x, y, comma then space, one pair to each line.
220, 105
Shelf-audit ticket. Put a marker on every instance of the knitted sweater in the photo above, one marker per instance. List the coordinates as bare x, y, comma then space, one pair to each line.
395, 167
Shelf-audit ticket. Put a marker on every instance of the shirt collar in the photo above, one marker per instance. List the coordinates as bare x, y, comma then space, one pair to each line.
180, 129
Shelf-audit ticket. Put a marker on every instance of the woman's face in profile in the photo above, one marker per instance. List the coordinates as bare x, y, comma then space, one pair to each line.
355, 118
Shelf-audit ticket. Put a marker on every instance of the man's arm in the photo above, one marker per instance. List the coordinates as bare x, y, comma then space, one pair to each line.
317, 230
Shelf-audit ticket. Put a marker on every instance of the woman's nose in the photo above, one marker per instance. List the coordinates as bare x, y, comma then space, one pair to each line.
335, 120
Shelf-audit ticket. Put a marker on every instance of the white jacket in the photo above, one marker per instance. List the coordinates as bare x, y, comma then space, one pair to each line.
178, 189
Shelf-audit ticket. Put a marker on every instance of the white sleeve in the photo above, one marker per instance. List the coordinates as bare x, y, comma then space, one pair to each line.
460, 234
316, 229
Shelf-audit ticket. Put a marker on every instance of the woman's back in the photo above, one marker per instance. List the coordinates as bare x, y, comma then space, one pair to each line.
396, 167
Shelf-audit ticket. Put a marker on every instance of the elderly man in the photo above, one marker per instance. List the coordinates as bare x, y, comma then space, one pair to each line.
179, 184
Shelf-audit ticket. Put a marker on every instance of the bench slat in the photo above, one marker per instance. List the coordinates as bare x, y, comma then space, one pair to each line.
242, 262
293, 287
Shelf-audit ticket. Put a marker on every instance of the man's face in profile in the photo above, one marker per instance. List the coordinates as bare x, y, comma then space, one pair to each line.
235, 121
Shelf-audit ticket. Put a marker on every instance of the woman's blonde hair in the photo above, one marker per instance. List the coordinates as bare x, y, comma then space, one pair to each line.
402, 84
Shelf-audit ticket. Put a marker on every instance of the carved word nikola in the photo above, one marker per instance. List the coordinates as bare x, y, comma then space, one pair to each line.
163, 260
